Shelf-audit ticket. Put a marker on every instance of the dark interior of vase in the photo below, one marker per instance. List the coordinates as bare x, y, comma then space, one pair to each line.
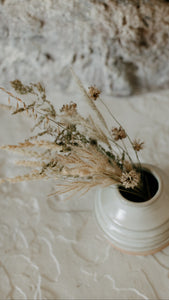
149, 189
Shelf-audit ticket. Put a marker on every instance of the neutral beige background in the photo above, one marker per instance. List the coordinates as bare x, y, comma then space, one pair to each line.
50, 248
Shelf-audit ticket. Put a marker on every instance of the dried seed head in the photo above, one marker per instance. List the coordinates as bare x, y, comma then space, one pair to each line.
69, 108
118, 133
94, 92
138, 145
20, 88
130, 179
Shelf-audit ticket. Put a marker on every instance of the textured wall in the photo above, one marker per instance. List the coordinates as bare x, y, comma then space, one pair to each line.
122, 46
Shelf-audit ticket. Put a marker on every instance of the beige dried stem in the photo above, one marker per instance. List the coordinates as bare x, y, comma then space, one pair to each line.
90, 101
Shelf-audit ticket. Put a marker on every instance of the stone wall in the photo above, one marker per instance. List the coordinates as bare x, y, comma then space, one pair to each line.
121, 46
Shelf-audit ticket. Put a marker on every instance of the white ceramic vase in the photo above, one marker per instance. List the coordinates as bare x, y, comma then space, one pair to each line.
135, 228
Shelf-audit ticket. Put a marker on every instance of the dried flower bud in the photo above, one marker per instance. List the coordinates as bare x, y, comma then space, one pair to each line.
94, 92
118, 133
127, 165
137, 145
130, 179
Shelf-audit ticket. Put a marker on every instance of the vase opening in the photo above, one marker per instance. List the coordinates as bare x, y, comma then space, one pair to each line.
149, 188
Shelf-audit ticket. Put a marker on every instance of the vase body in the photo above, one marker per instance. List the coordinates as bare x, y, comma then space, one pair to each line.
136, 228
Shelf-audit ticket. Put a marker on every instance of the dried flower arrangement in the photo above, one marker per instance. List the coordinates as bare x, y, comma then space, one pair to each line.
74, 150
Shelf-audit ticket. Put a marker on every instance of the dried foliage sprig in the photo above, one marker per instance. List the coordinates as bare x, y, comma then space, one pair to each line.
80, 153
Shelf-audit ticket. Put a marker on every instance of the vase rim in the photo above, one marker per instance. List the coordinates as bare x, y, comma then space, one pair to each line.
154, 171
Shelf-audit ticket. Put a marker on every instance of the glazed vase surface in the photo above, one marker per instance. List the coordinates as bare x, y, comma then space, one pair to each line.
139, 228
